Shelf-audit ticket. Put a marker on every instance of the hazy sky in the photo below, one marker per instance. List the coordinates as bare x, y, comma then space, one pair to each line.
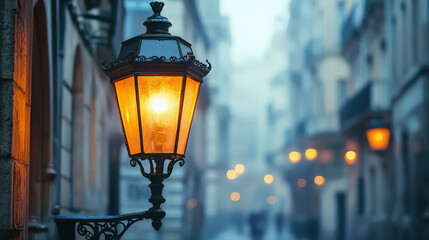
252, 25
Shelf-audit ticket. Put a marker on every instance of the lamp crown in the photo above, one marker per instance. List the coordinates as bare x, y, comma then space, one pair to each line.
157, 24
157, 7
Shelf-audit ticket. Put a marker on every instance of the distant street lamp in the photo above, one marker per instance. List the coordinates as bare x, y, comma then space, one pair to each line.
294, 157
268, 179
350, 157
156, 80
378, 134
239, 168
311, 154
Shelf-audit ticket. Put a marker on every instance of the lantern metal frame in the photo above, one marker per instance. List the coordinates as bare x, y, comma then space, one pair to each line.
133, 64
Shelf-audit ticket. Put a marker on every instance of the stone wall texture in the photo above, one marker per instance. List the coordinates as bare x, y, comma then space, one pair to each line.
15, 34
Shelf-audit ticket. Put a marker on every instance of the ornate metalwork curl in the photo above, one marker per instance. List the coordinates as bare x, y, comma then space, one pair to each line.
171, 164
159, 166
133, 58
134, 162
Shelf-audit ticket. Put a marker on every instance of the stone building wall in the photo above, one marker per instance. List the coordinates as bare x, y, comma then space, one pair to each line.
35, 183
15, 106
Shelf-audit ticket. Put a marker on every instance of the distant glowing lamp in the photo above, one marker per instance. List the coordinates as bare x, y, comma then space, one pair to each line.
294, 157
268, 179
378, 134
239, 168
235, 196
350, 157
319, 180
231, 174
311, 154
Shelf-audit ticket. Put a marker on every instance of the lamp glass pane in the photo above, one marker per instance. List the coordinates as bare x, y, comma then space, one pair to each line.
159, 107
127, 102
378, 138
189, 102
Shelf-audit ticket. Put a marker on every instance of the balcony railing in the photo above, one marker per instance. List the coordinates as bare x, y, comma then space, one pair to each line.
356, 107
374, 96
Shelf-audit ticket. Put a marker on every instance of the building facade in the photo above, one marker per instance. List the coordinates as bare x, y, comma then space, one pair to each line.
56, 109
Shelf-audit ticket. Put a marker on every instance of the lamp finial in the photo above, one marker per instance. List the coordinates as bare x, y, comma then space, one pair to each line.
157, 24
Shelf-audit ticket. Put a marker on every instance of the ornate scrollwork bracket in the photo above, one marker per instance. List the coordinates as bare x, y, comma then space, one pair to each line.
94, 228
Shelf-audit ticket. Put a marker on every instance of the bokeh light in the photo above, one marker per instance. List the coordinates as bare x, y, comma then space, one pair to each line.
271, 200
191, 203
231, 174
302, 182
294, 157
350, 157
319, 180
239, 168
268, 179
235, 196
311, 154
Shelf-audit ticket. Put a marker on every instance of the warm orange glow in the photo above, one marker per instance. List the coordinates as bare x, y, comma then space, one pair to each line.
235, 196
350, 157
311, 154
302, 182
191, 203
319, 180
239, 168
126, 97
294, 157
378, 138
271, 200
231, 174
159, 99
159, 108
268, 179
189, 102
159, 105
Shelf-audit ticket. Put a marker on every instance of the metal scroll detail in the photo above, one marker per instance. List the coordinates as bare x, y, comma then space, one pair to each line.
110, 230
157, 166
133, 58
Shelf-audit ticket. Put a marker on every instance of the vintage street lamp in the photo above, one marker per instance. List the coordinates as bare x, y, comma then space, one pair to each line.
378, 134
156, 80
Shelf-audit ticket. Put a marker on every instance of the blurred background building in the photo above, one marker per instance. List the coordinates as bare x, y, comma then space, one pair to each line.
294, 86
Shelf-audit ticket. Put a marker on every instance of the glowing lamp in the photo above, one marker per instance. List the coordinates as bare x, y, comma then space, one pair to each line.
268, 179
294, 157
319, 180
311, 154
350, 157
156, 80
378, 134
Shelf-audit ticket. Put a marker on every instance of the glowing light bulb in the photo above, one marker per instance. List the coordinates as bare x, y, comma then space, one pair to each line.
159, 105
